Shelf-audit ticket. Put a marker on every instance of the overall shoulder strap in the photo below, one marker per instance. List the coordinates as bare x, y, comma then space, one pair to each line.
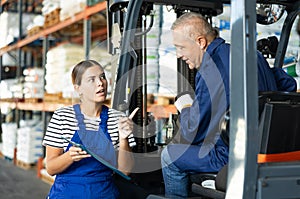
79, 116
103, 123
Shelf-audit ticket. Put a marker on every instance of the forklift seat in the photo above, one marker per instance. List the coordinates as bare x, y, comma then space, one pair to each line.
279, 131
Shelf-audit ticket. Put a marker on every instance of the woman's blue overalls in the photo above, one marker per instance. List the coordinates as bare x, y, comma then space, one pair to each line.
88, 178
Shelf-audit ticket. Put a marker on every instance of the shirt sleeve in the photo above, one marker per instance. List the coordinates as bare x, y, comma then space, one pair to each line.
54, 132
194, 120
200, 122
273, 79
284, 82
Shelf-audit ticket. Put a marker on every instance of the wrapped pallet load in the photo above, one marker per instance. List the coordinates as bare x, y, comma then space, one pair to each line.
60, 60
70, 8
9, 28
29, 141
49, 6
33, 86
9, 139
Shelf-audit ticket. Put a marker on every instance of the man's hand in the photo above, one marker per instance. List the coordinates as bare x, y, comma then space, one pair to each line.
183, 100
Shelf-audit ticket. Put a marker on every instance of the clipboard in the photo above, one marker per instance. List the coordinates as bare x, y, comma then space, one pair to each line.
113, 168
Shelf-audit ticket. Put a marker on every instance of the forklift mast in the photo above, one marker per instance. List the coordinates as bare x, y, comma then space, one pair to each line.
130, 89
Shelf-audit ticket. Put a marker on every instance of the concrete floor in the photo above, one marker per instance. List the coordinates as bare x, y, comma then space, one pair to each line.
17, 183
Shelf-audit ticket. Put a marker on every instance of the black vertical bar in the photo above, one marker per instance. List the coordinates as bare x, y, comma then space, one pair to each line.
144, 80
1, 63
109, 23
44, 61
20, 17
285, 35
20, 60
125, 56
137, 96
87, 37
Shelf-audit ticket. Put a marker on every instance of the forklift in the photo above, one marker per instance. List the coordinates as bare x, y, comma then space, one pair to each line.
127, 30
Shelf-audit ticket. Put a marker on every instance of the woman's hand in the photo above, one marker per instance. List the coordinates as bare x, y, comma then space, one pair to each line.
125, 158
77, 153
126, 125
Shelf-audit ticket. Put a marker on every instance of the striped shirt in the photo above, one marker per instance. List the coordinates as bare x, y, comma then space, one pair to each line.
64, 124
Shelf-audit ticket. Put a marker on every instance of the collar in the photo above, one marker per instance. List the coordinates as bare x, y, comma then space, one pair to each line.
210, 51
214, 44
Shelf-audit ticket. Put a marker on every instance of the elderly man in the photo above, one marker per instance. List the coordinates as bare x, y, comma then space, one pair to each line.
197, 43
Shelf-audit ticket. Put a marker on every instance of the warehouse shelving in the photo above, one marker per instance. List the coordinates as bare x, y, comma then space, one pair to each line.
84, 15
33, 106
157, 110
87, 12
89, 34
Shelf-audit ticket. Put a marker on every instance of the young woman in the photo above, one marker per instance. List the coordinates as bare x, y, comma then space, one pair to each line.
96, 127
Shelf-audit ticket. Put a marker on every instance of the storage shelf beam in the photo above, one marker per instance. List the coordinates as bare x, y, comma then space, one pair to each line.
88, 11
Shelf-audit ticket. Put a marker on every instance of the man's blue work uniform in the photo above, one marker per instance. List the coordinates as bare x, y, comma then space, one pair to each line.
199, 124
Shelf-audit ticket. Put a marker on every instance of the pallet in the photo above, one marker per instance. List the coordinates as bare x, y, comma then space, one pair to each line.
72, 30
33, 100
52, 18
98, 20
52, 97
68, 100
58, 98
25, 165
34, 30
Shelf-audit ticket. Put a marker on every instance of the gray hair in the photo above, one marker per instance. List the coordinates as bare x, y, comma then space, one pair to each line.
194, 24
